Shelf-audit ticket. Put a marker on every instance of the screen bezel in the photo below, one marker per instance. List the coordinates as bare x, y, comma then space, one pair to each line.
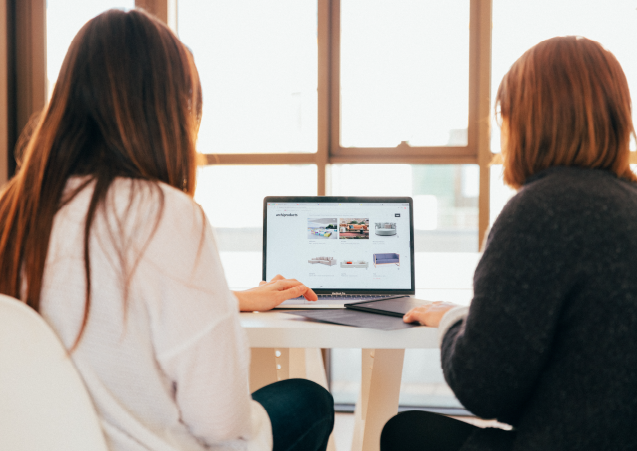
345, 199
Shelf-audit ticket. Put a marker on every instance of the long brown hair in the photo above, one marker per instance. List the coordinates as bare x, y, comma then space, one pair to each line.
127, 103
565, 101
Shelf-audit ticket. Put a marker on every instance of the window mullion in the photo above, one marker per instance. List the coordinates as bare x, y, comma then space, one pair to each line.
164, 10
324, 49
481, 16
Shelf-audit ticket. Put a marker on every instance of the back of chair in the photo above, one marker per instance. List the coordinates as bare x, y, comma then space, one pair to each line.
43, 402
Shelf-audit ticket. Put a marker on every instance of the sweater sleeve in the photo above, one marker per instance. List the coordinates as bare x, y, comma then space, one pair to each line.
198, 340
492, 360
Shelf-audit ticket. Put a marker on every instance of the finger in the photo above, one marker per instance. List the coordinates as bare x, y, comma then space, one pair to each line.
284, 284
293, 292
408, 317
288, 280
419, 309
416, 314
410, 313
310, 295
263, 282
277, 277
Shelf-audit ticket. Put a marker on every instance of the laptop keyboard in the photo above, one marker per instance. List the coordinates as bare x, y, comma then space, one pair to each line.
350, 297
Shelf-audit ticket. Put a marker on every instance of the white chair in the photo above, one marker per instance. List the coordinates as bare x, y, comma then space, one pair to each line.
43, 402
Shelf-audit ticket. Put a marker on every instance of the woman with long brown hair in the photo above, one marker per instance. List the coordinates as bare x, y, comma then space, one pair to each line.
549, 342
99, 233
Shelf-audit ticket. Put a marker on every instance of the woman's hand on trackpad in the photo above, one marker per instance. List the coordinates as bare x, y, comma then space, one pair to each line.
270, 294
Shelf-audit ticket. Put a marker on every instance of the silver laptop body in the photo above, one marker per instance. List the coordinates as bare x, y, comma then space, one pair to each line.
347, 249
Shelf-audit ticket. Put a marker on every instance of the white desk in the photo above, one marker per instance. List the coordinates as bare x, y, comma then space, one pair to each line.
285, 346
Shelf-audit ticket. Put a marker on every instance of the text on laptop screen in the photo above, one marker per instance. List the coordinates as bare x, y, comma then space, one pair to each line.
340, 245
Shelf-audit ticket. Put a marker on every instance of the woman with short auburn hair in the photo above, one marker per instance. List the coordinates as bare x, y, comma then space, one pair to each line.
99, 233
549, 342
573, 116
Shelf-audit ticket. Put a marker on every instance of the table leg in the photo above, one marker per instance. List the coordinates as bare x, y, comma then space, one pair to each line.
298, 363
378, 399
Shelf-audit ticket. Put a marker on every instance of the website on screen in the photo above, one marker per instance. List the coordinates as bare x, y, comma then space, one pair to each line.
340, 246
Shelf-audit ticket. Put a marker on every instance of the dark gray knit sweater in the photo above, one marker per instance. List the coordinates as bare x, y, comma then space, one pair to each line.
550, 342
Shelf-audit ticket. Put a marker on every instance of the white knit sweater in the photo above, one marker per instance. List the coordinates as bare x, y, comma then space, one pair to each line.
167, 363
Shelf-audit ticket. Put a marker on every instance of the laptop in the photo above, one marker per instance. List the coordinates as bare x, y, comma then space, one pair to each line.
347, 249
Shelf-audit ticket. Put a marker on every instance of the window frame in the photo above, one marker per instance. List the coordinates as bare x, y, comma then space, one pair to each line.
329, 150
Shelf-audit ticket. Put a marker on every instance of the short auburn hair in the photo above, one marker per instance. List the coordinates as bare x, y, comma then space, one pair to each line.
565, 102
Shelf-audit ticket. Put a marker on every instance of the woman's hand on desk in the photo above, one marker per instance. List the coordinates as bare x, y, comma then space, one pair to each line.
270, 294
428, 315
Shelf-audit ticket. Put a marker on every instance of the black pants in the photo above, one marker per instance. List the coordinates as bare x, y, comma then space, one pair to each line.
424, 431
301, 413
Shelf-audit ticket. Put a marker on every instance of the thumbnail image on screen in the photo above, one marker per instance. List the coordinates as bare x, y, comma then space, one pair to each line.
353, 229
322, 228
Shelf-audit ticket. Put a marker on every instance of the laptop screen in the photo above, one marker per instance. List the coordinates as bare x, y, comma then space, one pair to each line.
340, 244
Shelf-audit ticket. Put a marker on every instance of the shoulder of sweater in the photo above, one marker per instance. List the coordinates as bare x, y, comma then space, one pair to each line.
562, 187
560, 201
560, 181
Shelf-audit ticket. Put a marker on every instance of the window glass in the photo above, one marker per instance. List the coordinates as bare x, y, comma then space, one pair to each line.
445, 199
404, 73
232, 198
258, 64
518, 25
64, 18
499, 193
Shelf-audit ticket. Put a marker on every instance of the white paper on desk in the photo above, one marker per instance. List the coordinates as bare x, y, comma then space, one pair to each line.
354, 318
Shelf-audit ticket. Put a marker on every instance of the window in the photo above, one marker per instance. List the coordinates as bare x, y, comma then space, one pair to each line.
258, 67
404, 73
